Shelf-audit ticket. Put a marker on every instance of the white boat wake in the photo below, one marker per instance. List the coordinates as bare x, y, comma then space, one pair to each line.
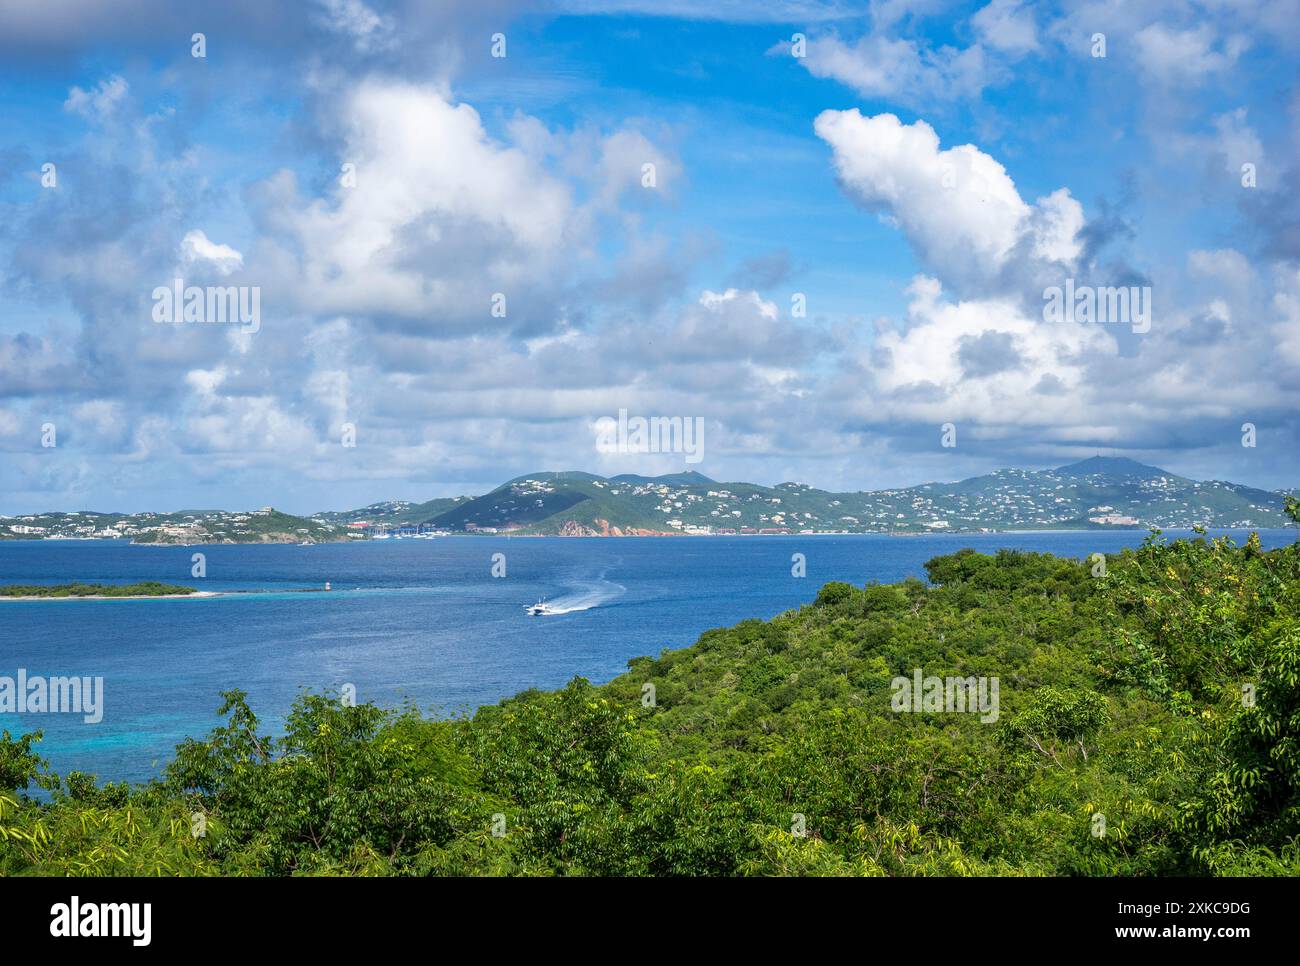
585, 595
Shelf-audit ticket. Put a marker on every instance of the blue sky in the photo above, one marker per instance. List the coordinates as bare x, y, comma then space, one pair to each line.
919, 177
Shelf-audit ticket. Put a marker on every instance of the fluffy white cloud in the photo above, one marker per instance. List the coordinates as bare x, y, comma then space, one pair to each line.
1007, 25
368, 29
958, 207
877, 65
440, 218
197, 248
1056, 222
99, 102
1169, 55
715, 301
979, 362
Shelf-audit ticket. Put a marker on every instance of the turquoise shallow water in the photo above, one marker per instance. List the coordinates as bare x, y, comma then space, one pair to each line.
419, 620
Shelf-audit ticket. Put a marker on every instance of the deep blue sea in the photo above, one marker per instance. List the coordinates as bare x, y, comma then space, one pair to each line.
418, 620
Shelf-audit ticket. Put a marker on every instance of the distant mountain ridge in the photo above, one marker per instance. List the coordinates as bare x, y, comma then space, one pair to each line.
1097, 492
1092, 493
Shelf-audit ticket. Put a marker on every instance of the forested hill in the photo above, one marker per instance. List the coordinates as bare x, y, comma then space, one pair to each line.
1146, 722
1097, 492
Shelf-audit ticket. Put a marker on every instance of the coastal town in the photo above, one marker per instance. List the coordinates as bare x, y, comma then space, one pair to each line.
1093, 494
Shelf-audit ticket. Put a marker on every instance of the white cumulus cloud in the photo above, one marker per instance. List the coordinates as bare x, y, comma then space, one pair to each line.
958, 207
196, 247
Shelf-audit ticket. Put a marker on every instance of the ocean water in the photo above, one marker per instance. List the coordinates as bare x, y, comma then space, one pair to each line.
407, 620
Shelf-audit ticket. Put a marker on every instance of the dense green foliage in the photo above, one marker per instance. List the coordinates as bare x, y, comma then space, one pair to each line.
150, 588
1148, 725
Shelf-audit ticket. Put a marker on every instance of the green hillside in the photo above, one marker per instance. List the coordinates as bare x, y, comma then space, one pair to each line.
557, 502
1097, 492
266, 525
214, 526
392, 513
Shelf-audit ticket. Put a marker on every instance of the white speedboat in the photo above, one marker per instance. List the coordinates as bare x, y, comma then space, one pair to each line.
540, 609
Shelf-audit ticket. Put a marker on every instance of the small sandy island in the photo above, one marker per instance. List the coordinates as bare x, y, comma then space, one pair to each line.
81, 590
197, 593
